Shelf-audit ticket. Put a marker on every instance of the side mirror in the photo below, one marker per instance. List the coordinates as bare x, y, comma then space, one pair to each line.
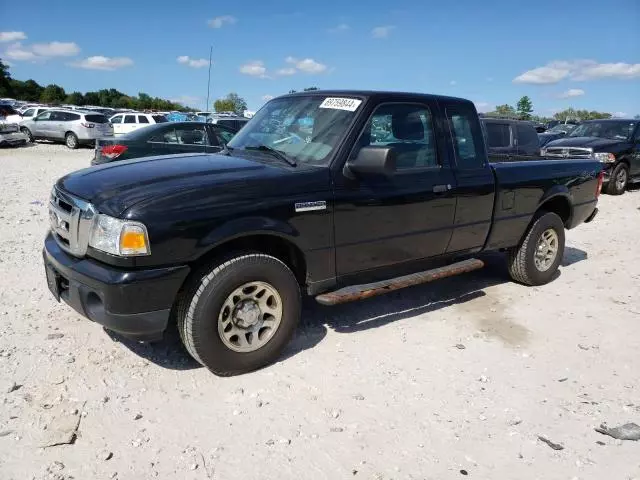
372, 161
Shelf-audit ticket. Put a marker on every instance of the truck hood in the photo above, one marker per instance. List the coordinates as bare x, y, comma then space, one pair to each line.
588, 142
115, 187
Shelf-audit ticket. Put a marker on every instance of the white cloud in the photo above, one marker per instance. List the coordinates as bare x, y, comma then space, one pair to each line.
255, 68
453, 82
266, 98
221, 21
56, 49
343, 27
12, 36
578, 70
286, 71
382, 32
16, 51
307, 65
572, 92
193, 62
98, 62
484, 107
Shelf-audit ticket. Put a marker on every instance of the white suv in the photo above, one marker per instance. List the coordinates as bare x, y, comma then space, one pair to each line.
124, 123
29, 113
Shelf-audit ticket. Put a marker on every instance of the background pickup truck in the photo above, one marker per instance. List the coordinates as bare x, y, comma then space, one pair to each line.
305, 198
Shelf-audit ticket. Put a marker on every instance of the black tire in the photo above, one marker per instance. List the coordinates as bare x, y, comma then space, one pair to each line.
201, 302
614, 187
28, 133
521, 259
71, 140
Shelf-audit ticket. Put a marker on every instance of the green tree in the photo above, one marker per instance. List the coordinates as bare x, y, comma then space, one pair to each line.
525, 108
505, 110
571, 113
75, 98
223, 105
231, 103
53, 94
6, 87
637, 117
309, 89
30, 90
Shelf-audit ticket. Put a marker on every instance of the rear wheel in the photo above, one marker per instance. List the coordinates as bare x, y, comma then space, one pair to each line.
536, 260
619, 179
71, 140
28, 133
239, 315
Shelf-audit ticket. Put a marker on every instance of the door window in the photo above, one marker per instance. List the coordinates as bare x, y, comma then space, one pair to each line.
142, 119
466, 136
45, 116
57, 117
165, 136
224, 134
129, 119
191, 135
69, 117
116, 119
29, 113
527, 136
405, 127
498, 135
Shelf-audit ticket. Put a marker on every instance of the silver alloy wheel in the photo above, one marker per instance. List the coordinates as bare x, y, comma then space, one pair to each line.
250, 317
71, 140
546, 250
621, 179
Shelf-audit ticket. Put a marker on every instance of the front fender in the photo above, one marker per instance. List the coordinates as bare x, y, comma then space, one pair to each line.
246, 226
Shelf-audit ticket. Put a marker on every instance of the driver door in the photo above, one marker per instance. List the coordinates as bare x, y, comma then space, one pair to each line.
41, 125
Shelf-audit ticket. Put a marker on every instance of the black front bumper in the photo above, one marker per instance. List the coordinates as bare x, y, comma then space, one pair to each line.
134, 303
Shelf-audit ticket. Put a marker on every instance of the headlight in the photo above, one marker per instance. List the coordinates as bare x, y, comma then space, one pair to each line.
123, 238
543, 152
605, 157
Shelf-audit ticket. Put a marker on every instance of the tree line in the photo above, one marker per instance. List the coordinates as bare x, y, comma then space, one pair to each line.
32, 91
524, 111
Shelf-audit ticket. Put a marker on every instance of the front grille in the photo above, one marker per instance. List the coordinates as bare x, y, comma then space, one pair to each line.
569, 152
71, 222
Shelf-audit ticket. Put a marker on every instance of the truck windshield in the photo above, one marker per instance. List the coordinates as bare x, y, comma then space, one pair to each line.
562, 128
616, 130
304, 128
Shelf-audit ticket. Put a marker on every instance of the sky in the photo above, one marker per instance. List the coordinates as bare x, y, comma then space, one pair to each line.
560, 53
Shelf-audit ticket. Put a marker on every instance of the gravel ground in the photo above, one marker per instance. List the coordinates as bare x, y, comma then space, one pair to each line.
435, 382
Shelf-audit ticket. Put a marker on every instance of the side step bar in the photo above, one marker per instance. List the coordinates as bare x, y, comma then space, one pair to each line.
367, 290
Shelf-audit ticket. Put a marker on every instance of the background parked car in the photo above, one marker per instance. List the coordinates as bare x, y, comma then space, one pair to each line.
73, 127
554, 133
33, 112
124, 123
8, 114
233, 122
11, 136
164, 139
615, 142
510, 140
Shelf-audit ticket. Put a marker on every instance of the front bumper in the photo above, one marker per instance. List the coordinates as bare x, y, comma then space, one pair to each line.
133, 303
14, 138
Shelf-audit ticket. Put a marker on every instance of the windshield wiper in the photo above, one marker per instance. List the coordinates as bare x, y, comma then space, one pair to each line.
274, 152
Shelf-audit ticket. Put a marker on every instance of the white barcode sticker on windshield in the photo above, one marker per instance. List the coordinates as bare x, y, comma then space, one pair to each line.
349, 104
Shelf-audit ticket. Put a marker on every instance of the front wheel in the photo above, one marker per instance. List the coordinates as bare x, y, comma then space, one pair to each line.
618, 181
71, 141
239, 316
536, 260
28, 133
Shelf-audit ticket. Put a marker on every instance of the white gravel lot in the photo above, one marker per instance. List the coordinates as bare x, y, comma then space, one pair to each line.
373, 390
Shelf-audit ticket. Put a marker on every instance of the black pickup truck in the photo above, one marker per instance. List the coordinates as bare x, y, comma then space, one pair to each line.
304, 198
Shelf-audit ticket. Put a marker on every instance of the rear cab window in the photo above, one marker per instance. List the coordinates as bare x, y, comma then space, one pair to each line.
466, 136
527, 135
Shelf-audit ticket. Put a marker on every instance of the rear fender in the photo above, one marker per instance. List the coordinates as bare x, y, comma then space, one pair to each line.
557, 200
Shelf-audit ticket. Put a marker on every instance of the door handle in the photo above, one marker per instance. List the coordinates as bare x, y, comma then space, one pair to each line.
441, 188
